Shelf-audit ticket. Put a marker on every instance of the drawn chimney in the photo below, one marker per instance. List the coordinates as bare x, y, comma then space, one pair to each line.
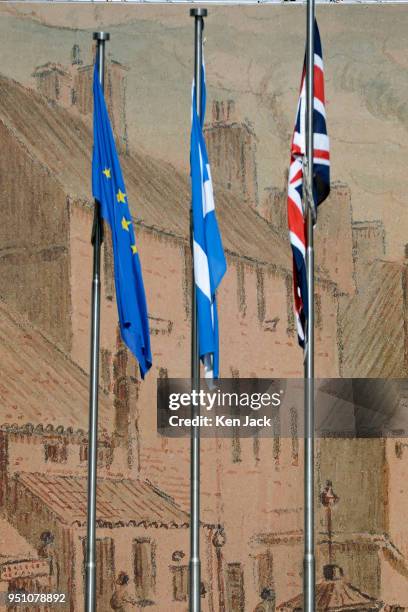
76, 56
115, 82
54, 82
231, 146
368, 245
72, 88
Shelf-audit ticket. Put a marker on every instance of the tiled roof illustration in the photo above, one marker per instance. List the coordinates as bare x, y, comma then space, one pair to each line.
335, 595
120, 502
40, 387
373, 323
159, 195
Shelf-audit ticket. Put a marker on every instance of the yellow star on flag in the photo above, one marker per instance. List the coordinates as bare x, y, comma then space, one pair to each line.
125, 224
121, 197
134, 249
107, 172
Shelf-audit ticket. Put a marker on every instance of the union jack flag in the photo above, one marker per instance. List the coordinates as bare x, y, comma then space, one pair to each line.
321, 181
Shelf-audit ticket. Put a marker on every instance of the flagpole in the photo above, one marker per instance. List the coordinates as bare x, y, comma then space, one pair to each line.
195, 563
309, 544
97, 238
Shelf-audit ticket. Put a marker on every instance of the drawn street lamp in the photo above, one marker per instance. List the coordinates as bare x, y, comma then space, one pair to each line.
329, 499
333, 592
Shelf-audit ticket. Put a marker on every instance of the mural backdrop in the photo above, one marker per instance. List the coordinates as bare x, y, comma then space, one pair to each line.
252, 488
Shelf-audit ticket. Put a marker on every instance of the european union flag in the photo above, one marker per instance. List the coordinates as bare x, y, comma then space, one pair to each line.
209, 258
109, 190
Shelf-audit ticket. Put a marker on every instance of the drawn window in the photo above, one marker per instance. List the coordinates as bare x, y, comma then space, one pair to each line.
236, 440
235, 587
105, 576
121, 386
56, 452
236, 446
109, 275
144, 560
241, 289
121, 361
179, 576
122, 390
106, 364
318, 311
83, 452
291, 327
265, 571
294, 435
276, 424
105, 454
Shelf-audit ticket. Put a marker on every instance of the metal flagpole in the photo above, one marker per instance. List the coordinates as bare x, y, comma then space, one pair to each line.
195, 563
97, 238
309, 552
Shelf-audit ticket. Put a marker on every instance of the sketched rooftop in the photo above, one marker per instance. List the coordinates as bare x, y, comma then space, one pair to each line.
120, 502
159, 195
335, 594
41, 387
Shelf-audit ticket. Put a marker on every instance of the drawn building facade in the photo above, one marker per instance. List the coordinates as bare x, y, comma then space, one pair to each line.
256, 293
43, 474
46, 277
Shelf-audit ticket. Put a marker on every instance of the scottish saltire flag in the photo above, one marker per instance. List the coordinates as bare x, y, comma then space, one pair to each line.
109, 189
208, 253
321, 181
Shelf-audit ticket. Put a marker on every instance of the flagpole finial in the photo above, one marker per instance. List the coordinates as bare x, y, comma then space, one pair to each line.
198, 12
101, 36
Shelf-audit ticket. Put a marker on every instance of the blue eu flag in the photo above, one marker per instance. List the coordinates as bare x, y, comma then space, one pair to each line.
109, 190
